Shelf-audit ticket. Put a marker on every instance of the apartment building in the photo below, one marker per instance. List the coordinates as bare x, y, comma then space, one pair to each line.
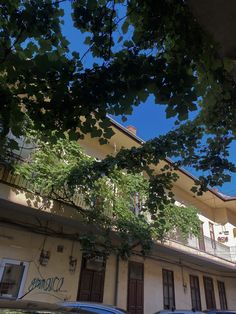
41, 258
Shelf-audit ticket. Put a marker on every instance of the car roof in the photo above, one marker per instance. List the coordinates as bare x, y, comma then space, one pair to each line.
220, 311
93, 305
27, 304
179, 312
33, 306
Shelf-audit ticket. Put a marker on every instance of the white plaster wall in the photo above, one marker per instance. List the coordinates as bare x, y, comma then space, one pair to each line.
109, 284
25, 246
219, 230
122, 284
153, 289
230, 285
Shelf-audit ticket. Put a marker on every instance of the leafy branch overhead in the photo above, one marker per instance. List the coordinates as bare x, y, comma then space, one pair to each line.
121, 206
152, 47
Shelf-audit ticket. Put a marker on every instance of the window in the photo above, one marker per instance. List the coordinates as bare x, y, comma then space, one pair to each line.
12, 278
209, 293
222, 295
168, 289
201, 238
136, 203
212, 235
195, 293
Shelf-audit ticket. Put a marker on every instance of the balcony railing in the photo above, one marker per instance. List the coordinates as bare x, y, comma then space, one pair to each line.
19, 182
217, 249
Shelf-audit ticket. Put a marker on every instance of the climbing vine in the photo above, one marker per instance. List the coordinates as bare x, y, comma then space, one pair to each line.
124, 214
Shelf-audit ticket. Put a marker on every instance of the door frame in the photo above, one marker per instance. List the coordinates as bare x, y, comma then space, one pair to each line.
83, 267
128, 292
212, 291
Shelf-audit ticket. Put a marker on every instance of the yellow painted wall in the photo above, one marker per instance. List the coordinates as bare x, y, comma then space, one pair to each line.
25, 246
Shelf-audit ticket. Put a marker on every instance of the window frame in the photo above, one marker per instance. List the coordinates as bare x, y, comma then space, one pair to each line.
212, 235
222, 295
212, 300
170, 284
201, 240
5, 261
195, 292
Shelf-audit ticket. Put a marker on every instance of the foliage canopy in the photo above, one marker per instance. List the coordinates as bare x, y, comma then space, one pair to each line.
161, 51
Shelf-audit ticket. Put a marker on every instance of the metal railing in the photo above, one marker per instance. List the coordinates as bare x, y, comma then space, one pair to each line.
19, 182
214, 248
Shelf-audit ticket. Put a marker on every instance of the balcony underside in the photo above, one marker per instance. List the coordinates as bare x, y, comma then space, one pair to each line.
218, 18
170, 251
195, 259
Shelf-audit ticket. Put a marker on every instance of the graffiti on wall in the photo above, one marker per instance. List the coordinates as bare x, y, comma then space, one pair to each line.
52, 284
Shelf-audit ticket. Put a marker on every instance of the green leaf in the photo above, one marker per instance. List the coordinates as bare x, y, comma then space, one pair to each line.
125, 26
87, 40
92, 4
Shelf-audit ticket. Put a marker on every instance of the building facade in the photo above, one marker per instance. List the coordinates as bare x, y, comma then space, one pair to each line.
41, 258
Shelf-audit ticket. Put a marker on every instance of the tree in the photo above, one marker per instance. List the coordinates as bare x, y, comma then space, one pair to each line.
162, 51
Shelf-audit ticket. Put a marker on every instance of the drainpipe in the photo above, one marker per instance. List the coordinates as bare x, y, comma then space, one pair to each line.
117, 279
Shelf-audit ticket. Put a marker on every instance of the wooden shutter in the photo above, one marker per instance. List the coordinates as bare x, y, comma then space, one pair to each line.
222, 295
135, 288
195, 293
209, 293
201, 239
91, 284
168, 289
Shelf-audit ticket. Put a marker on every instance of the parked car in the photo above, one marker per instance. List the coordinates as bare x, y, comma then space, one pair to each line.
220, 312
179, 312
93, 307
8, 306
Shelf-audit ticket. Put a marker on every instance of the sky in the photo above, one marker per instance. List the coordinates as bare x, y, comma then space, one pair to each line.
148, 118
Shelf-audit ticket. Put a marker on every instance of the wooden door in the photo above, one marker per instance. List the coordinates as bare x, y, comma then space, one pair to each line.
135, 288
91, 284
195, 293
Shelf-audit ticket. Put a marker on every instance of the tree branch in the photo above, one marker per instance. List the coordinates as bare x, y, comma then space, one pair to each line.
111, 28
8, 50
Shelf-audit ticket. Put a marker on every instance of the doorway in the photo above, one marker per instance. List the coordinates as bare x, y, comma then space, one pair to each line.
92, 277
135, 288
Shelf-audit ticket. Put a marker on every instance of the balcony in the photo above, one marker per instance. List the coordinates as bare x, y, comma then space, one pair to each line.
220, 250
19, 182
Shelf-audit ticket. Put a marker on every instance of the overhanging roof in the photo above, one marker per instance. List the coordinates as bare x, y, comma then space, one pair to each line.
218, 18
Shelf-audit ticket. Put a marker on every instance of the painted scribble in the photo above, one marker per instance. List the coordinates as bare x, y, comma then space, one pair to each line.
52, 284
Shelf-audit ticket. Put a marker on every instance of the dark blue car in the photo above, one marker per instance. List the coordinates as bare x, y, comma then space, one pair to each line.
92, 307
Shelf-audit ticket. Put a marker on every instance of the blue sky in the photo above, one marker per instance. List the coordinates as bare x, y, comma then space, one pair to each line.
148, 118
